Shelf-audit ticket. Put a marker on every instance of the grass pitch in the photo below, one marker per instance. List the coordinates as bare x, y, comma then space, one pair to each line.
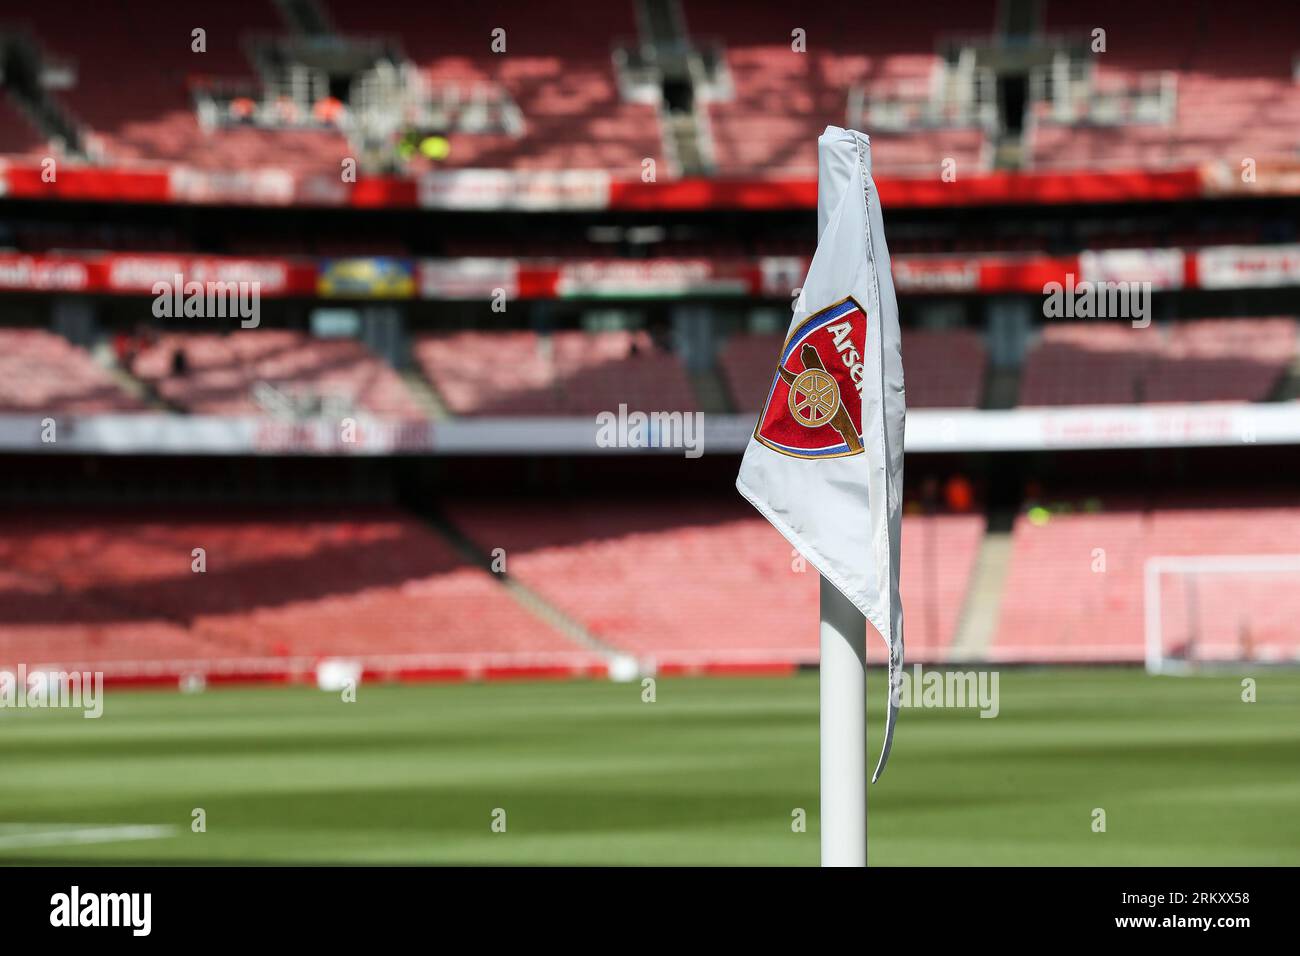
710, 773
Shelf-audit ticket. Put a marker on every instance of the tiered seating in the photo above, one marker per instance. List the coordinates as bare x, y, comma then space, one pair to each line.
1104, 363
565, 373
686, 582
942, 369
557, 68
41, 372
1215, 117
783, 99
748, 363
82, 588
221, 372
708, 580
134, 67
1055, 606
1235, 93
1220, 359
1098, 363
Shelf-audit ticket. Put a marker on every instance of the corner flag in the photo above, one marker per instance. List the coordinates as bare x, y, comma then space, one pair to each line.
825, 463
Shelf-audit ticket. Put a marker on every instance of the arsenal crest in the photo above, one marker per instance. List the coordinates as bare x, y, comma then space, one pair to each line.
814, 408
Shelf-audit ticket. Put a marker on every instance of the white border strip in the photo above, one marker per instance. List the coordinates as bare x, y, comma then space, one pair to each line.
928, 430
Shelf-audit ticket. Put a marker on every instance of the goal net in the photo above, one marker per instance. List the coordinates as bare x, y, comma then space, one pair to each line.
1221, 612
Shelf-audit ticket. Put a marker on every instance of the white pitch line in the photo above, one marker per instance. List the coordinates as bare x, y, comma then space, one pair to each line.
78, 836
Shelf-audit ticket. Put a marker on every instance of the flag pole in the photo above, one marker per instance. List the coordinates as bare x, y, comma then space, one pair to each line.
843, 730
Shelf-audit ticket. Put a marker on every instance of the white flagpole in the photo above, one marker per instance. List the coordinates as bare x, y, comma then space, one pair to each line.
843, 730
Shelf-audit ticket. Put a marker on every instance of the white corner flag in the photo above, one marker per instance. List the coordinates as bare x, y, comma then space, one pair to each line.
825, 463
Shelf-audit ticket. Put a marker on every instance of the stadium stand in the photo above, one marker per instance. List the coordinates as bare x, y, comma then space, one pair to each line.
1222, 360
42, 372
221, 374
781, 99
1106, 363
1220, 87
1056, 605
707, 579
576, 373
747, 364
564, 373
1086, 364
681, 581
116, 591
1233, 81
147, 114
559, 71
943, 369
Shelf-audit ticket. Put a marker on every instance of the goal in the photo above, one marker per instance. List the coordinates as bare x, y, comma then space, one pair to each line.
1221, 612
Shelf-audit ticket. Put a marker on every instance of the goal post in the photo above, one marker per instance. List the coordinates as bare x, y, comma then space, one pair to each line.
1217, 611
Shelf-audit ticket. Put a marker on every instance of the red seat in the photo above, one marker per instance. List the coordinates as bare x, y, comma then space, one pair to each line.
116, 590
565, 373
708, 580
1059, 604
43, 372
